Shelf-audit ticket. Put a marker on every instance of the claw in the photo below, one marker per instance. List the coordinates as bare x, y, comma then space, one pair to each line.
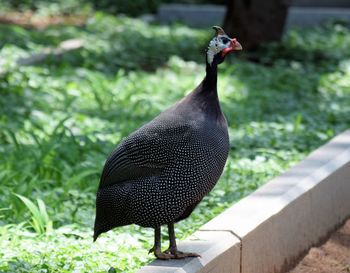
171, 252
151, 250
179, 254
161, 255
182, 255
164, 256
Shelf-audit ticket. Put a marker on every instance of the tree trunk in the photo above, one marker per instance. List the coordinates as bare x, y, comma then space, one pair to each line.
254, 22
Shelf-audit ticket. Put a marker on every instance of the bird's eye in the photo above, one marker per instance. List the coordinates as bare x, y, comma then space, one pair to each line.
225, 40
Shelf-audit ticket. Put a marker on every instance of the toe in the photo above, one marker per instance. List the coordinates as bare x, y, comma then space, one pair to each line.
182, 255
164, 256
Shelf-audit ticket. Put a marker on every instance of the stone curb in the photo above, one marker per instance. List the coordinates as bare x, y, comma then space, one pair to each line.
269, 230
209, 244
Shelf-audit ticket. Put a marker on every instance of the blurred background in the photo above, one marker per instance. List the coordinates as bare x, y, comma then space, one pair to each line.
78, 76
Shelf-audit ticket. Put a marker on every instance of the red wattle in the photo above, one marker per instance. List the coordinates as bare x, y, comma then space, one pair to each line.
226, 50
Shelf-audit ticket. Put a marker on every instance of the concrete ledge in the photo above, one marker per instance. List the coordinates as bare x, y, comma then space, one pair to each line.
279, 222
294, 211
209, 245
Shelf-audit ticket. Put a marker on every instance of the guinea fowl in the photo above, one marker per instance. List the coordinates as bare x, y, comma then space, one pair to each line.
159, 173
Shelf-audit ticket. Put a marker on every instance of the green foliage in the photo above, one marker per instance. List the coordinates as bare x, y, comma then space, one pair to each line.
60, 119
138, 7
40, 220
324, 46
124, 43
131, 8
67, 250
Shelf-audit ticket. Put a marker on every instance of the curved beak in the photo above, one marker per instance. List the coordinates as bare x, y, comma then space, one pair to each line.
234, 45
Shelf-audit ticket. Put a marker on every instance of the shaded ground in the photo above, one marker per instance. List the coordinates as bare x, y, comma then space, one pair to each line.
331, 257
30, 20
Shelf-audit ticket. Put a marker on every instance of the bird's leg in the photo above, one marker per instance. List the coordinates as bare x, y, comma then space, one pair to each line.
173, 247
156, 249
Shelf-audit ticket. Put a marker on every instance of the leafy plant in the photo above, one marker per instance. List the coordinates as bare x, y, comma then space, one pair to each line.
60, 119
40, 220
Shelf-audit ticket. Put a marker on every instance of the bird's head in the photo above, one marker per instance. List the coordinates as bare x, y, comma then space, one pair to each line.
220, 46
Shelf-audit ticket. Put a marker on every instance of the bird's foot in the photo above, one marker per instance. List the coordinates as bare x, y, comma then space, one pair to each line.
171, 253
161, 255
179, 254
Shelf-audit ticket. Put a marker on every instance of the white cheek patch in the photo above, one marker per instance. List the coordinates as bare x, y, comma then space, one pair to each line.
215, 46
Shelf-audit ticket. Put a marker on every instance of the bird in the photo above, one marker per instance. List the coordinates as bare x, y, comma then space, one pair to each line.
159, 173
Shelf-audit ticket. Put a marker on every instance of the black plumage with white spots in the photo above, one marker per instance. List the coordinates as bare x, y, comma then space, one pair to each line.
160, 172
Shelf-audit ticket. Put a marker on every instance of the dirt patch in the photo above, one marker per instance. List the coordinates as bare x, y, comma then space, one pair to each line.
331, 257
28, 19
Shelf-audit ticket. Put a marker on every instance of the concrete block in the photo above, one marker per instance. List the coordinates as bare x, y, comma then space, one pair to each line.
320, 3
306, 14
310, 16
192, 15
282, 219
220, 253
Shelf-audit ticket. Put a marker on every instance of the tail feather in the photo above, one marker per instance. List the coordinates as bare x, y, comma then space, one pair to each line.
110, 209
95, 236
100, 227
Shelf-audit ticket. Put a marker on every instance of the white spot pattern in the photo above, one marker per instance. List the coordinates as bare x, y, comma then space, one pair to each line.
159, 173
216, 45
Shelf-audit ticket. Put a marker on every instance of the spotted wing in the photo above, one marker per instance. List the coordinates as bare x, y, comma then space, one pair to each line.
144, 153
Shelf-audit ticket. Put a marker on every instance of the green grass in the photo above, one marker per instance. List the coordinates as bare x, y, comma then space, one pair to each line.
61, 118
